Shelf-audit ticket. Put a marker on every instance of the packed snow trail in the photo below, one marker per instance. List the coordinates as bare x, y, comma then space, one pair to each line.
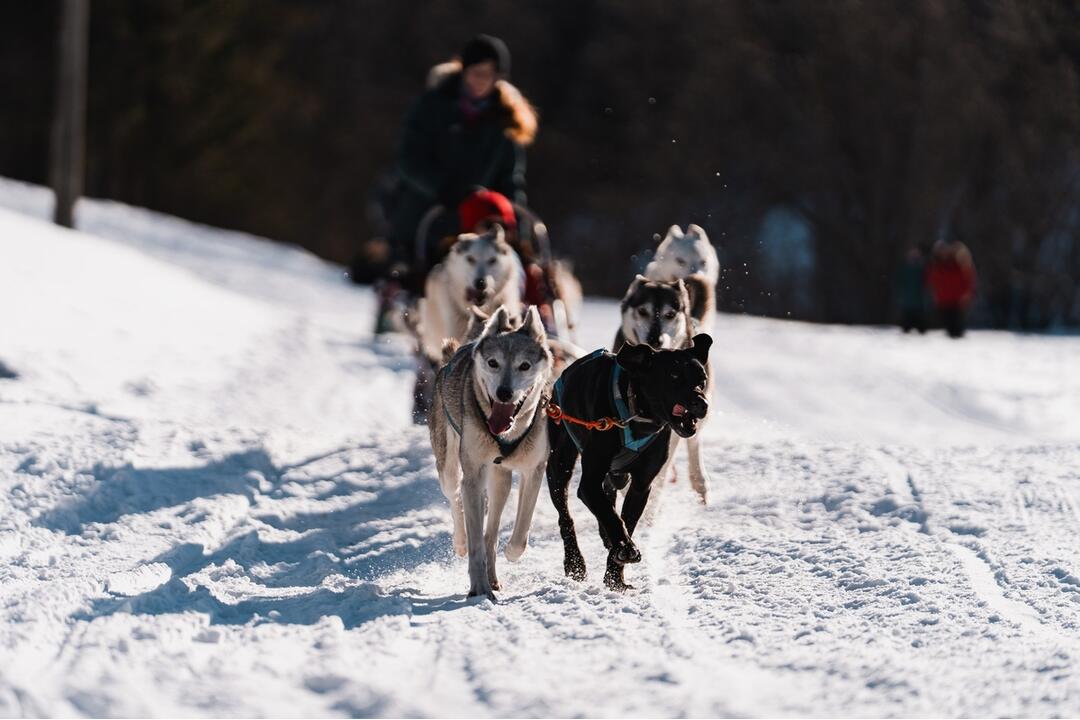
212, 503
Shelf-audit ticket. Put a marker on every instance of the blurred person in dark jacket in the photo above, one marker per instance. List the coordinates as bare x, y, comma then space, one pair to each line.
468, 130
911, 290
951, 276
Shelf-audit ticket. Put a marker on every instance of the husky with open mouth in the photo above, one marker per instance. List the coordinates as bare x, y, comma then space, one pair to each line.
487, 420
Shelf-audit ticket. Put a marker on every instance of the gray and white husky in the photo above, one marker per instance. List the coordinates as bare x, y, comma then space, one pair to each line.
658, 314
655, 313
487, 421
683, 255
480, 271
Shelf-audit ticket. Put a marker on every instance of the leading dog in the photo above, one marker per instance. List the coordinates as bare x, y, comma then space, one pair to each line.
486, 421
618, 412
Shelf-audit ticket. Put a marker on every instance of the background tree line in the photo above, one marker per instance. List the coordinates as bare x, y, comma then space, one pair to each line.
815, 141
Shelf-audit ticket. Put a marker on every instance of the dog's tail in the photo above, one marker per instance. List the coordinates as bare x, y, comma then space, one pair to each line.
697, 287
449, 347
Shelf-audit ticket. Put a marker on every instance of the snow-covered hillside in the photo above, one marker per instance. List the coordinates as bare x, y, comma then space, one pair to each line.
212, 503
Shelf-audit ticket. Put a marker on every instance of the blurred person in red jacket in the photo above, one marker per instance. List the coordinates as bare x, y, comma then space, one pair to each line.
951, 277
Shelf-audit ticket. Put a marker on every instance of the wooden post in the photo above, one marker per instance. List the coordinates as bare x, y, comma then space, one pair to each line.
67, 164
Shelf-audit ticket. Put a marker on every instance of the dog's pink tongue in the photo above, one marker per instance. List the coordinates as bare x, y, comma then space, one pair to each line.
678, 410
501, 418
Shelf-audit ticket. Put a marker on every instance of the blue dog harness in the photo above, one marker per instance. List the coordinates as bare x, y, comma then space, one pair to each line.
636, 433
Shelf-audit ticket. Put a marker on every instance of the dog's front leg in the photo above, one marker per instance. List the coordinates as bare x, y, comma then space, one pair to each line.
661, 479
602, 504
498, 482
560, 466
699, 479
637, 497
446, 444
528, 490
472, 494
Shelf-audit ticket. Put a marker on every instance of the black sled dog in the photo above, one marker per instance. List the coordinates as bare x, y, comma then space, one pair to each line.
617, 412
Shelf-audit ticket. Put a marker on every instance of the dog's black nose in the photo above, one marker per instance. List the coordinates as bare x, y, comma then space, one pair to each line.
699, 406
503, 394
480, 284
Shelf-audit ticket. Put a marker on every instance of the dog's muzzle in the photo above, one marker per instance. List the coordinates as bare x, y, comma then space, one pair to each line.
685, 417
477, 293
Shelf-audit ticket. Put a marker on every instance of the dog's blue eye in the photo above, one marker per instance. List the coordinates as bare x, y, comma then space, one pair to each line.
524, 366
493, 364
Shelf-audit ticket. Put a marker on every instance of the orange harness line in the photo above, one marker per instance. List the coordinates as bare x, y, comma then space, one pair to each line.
605, 423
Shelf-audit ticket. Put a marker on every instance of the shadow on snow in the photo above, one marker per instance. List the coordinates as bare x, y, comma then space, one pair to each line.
315, 564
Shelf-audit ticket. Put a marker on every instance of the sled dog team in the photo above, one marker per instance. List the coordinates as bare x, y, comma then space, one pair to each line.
509, 398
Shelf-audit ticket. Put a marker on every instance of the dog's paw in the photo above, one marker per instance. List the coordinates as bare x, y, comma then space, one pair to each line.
700, 482
618, 585
483, 592
613, 579
513, 551
574, 566
626, 553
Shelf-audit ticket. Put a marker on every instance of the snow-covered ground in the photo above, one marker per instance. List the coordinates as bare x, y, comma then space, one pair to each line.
212, 503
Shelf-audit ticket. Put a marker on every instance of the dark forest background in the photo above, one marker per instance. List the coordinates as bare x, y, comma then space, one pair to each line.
814, 140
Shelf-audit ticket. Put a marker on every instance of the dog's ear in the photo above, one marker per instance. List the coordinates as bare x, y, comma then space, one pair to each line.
498, 237
634, 358
504, 321
635, 284
700, 348
463, 243
533, 326
499, 322
696, 231
674, 232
